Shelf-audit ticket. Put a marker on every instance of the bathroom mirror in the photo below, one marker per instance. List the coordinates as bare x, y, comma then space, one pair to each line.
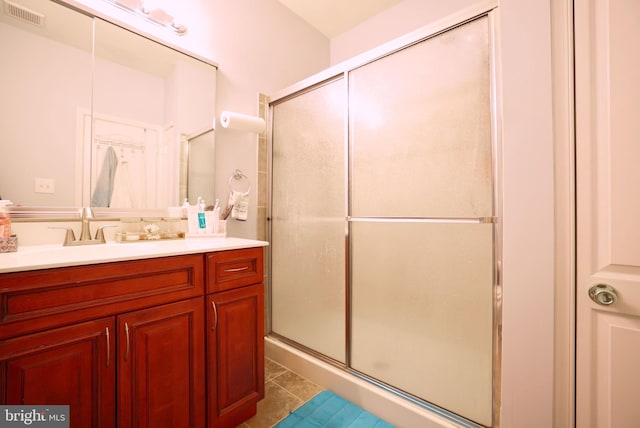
84, 99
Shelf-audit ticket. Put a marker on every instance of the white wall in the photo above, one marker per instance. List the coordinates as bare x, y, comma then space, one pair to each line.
528, 262
394, 22
528, 188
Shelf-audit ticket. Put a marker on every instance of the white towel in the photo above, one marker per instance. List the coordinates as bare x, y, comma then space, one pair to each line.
123, 192
240, 202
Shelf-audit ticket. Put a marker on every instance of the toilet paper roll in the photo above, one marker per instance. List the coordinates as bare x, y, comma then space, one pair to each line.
241, 122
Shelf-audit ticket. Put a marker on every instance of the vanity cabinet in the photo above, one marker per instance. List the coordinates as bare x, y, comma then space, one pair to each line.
121, 343
235, 335
175, 342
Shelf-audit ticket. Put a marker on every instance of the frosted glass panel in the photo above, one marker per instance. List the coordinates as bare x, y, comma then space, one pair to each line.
421, 131
422, 311
420, 293
308, 220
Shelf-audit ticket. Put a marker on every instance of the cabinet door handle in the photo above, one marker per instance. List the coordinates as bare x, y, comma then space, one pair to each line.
237, 269
126, 331
215, 313
106, 332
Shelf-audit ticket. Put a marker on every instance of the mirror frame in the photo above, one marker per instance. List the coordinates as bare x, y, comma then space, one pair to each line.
32, 213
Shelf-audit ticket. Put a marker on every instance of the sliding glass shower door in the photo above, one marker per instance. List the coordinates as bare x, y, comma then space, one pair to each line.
308, 220
421, 221
383, 221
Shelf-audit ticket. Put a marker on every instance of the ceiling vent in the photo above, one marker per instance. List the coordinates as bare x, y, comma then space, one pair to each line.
23, 14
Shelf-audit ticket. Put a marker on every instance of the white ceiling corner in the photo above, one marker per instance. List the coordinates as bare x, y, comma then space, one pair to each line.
334, 17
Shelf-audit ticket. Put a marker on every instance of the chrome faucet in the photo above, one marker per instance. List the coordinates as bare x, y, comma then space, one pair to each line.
85, 231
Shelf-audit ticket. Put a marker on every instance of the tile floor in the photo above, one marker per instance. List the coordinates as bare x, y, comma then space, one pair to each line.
284, 392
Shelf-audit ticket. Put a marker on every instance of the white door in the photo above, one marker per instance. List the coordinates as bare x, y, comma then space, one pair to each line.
608, 212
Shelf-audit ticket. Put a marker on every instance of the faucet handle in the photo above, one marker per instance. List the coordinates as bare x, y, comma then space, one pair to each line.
100, 233
69, 236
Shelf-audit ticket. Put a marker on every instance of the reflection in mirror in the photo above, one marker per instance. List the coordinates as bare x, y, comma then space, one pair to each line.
101, 123
45, 82
145, 97
197, 158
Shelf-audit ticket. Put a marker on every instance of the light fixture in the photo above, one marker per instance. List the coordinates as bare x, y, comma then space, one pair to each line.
156, 16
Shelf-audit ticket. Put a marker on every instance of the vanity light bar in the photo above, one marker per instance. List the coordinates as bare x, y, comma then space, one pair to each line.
156, 16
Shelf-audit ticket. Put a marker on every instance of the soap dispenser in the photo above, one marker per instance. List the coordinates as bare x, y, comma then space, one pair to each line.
5, 222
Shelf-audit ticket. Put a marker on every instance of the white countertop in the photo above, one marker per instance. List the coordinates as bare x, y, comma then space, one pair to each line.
52, 256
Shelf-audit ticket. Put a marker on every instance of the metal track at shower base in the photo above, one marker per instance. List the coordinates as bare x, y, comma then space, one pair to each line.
471, 220
452, 417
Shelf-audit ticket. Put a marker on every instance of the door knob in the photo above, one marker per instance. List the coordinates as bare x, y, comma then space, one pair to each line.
603, 294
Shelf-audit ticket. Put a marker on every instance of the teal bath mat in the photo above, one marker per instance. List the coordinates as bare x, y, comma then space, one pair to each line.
329, 410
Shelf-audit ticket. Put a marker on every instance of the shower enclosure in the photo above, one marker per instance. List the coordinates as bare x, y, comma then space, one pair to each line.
383, 220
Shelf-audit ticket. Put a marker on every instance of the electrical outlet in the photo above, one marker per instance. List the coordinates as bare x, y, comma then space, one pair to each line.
45, 185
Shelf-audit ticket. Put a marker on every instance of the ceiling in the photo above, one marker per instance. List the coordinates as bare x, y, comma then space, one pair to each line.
334, 17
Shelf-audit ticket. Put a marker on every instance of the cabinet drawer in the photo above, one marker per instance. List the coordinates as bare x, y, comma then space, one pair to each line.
35, 300
234, 268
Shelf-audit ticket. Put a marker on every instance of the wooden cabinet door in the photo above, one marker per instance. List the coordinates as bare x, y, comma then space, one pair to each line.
72, 366
235, 352
161, 371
